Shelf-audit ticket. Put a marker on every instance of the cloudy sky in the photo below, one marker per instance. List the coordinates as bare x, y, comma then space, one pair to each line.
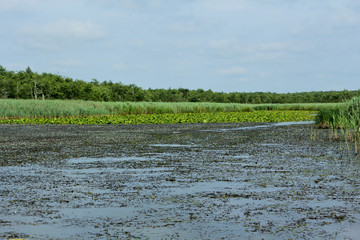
223, 45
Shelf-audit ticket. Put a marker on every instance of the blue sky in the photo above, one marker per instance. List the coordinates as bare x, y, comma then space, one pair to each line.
222, 45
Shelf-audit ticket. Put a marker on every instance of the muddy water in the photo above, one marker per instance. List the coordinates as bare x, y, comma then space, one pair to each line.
196, 181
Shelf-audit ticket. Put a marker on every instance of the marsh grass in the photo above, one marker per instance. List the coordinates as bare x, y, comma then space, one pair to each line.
343, 118
11, 108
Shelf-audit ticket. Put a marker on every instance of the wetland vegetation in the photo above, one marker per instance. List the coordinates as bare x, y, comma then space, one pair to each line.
344, 116
343, 120
173, 118
18, 108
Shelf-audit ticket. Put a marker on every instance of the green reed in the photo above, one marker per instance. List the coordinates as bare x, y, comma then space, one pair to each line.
345, 118
10, 108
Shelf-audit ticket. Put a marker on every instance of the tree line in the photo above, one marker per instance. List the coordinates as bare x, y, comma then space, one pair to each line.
31, 85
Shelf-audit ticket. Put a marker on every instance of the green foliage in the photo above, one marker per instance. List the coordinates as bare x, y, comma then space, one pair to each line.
12, 108
31, 85
173, 118
345, 117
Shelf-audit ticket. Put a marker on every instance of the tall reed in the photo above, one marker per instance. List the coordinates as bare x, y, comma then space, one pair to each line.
344, 117
10, 108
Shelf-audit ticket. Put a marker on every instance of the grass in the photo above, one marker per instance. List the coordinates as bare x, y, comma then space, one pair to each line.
344, 117
11, 108
90, 112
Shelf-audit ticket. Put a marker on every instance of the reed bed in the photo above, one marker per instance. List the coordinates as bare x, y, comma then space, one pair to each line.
344, 118
11, 108
341, 116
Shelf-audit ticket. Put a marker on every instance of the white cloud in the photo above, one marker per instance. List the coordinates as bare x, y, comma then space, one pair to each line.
119, 66
258, 57
65, 29
17, 4
247, 52
189, 44
220, 5
275, 46
348, 17
137, 43
68, 63
141, 67
241, 80
224, 43
232, 71
298, 30
182, 27
234, 45
264, 74
15, 66
55, 36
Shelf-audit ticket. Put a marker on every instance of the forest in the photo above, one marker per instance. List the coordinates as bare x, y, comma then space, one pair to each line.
31, 85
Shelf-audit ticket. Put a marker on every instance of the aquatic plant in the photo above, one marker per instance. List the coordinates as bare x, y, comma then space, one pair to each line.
344, 117
173, 118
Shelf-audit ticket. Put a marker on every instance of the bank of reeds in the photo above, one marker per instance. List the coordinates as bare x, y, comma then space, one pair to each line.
343, 118
11, 108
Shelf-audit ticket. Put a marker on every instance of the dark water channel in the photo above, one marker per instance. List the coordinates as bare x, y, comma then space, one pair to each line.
191, 181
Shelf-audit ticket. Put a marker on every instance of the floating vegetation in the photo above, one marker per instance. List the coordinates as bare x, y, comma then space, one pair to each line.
171, 118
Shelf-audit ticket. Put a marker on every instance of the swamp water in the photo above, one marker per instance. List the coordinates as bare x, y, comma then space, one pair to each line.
195, 181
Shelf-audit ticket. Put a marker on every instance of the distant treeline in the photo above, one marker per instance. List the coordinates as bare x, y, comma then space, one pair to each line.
30, 85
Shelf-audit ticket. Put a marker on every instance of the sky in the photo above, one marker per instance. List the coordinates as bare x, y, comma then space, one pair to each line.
223, 45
